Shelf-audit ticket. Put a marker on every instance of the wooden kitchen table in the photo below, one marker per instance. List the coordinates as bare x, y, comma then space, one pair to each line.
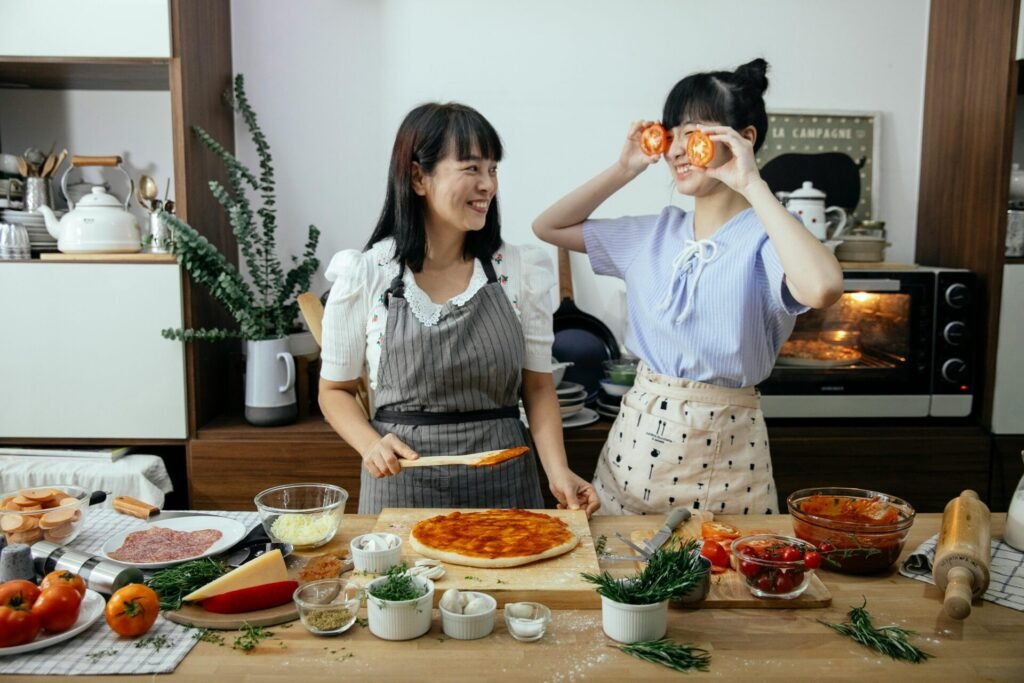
746, 645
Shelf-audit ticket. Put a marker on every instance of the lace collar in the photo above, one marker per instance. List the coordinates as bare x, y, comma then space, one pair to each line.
423, 308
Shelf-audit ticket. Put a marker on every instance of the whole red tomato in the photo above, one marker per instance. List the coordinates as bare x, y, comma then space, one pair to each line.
18, 592
812, 559
57, 608
18, 625
789, 554
66, 578
132, 610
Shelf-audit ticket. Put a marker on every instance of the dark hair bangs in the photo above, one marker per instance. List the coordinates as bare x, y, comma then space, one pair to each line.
698, 98
468, 133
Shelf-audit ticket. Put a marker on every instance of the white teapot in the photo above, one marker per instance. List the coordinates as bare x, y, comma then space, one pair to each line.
100, 222
809, 204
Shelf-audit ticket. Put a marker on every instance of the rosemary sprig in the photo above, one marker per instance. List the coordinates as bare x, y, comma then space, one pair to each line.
889, 640
601, 545
250, 637
667, 653
671, 572
174, 583
398, 586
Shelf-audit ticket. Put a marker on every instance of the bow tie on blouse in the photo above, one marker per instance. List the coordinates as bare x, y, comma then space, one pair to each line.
701, 251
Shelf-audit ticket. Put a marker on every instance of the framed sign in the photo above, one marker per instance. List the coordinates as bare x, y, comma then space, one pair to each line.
833, 150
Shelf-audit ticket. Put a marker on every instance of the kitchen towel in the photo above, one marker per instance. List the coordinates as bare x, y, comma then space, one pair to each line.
1006, 583
98, 650
137, 475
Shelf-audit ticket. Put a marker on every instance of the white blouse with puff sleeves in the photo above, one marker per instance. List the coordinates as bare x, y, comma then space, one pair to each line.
355, 318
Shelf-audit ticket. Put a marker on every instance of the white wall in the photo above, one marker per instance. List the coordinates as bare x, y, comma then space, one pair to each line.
560, 81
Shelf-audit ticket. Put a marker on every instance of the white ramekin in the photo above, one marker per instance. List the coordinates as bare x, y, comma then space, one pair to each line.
470, 626
634, 623
375, 561
402, 620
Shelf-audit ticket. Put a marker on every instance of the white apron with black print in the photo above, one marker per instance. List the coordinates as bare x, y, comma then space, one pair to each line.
681, 443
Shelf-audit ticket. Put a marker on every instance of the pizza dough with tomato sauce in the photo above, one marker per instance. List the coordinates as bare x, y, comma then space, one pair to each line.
492, 539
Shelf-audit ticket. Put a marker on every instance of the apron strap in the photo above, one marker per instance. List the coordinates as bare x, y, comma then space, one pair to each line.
420, 417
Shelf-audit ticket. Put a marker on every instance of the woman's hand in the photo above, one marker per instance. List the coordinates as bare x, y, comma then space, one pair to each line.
573, 492
381, 459
632, 157
740, 172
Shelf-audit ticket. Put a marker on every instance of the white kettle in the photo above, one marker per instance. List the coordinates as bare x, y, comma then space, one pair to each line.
808, 203
99, 223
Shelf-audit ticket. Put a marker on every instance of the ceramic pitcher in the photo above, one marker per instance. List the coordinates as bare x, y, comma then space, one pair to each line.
270, 383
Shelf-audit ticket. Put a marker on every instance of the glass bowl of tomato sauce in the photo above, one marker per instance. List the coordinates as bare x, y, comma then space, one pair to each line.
857, 531
775, 566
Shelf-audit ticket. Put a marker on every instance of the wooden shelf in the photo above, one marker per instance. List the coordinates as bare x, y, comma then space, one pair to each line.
1014, 261
80, 73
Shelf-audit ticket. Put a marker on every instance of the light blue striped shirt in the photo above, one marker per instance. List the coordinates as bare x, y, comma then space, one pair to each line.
713, 311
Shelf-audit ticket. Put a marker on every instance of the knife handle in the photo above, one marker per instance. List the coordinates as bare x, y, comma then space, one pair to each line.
675, 518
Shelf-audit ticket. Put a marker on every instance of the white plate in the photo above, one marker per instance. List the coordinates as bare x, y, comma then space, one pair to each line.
91, 610
580, 419
231, 533
570, 388
568, 411
573, 400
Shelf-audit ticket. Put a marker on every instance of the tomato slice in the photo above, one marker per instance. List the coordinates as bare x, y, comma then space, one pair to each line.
655, 140
718, 531
699, 149
716, 553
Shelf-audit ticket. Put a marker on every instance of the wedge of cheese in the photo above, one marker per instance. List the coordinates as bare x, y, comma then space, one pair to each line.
267, 568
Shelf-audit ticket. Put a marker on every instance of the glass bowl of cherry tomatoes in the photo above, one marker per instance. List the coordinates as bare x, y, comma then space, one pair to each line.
857, 531
775, 566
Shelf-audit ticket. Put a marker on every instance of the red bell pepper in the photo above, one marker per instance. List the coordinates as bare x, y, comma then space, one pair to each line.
251, 599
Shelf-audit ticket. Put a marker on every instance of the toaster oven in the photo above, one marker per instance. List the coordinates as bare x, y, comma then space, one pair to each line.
898, 343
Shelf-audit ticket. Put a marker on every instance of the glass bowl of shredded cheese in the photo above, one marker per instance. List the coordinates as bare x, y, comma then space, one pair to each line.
305, 515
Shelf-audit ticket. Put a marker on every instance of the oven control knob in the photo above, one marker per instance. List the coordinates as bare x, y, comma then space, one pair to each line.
954, 370
957, 295
955, 333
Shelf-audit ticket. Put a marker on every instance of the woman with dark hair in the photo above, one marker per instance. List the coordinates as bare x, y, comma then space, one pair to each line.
711, 296
452, 327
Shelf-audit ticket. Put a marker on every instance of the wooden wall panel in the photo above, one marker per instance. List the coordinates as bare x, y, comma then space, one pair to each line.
201, 73
970, 99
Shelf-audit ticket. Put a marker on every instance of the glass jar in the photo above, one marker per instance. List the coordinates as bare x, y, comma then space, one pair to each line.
1014, 533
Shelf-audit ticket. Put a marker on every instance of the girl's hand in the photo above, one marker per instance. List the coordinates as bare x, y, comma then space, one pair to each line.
632, 158
573, 493
740, 171
381, 460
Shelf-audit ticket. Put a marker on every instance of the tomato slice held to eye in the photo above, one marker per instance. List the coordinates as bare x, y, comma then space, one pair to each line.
700, 150
655, 140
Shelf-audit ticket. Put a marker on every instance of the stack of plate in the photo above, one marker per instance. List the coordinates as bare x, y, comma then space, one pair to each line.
35, 224
607, 405
572, 398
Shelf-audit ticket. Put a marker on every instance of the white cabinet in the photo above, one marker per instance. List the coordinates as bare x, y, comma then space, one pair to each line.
97, 28
81, 354
1008, 398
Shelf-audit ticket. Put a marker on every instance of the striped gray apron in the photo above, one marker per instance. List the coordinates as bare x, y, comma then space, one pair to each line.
451, 389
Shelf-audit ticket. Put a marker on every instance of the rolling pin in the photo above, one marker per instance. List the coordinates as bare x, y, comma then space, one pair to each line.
963, 554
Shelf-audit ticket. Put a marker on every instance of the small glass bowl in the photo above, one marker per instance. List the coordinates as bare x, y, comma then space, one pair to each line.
621, 371
766, 574
527, 621
305, 515
327, 607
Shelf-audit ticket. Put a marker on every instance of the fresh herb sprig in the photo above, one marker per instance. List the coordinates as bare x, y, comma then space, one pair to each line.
601, 545
397, 586
250, 637
671, 572
889, 640
174, 583
670, 654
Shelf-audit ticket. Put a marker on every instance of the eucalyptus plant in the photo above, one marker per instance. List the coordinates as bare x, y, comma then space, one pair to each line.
266, 308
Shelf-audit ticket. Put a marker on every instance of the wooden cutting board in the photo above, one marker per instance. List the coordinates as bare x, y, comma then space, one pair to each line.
555, 582
195, 615
728, 590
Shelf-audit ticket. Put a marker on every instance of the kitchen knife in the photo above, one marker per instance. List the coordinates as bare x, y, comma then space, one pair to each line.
675, 518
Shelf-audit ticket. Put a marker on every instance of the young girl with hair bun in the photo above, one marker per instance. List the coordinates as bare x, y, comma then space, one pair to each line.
711, 294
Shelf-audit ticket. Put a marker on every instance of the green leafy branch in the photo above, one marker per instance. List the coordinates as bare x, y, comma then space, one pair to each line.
267, 309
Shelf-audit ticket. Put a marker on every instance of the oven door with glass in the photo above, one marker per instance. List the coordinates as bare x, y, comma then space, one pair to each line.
868, 355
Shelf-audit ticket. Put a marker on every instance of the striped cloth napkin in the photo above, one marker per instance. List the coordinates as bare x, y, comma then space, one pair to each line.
1006, 585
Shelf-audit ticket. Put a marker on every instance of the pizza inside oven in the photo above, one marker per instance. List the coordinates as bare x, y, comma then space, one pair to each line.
816, 349
492, 538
